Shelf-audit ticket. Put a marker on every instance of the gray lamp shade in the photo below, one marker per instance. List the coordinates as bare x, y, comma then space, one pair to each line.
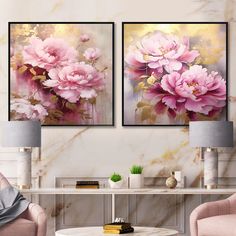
211, 133
21, 134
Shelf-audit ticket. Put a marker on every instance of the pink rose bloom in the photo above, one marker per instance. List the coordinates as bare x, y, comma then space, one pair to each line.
24, 110
76, 81
49, 53
160, 52
194, 90
92, 54
84, 38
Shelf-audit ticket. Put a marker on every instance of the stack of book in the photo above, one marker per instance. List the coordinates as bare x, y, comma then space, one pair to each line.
118, 228
87, 184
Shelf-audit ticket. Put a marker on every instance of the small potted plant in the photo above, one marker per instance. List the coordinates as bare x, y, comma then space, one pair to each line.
115, 181
136, 177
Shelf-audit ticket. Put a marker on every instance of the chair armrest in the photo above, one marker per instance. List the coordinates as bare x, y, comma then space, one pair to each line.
232, 200
206, 210
3, 182
36, 213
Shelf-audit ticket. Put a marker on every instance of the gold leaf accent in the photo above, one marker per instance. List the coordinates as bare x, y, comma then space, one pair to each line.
88, 117
146, 112
56, 113
142, 104
22, 69
153, 118
81, 111
140, 86
15, 95
151, 80
39, 77
33, 101
32, 71
50, 120
54, 99
71, 106
92, 100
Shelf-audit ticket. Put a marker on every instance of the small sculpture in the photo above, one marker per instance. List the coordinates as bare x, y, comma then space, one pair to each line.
119, 220
171, 182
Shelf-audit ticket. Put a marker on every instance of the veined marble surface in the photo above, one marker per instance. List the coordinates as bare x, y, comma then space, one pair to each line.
76, 151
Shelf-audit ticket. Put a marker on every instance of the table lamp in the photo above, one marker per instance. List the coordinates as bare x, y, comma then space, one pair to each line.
25, 135
210, 135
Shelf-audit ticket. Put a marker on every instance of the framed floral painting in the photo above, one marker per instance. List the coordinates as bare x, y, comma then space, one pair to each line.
62, 73
174, 73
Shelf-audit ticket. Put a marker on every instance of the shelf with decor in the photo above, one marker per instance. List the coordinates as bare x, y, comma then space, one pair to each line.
152, 186
181, 191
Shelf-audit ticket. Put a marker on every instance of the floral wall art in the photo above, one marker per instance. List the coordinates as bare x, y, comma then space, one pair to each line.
174, 73
61, 73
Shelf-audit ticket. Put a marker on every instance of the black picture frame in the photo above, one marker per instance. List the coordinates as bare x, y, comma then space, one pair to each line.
123, 67
112, 67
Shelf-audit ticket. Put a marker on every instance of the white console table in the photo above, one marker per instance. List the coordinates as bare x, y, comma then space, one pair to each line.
181, 191
114, 192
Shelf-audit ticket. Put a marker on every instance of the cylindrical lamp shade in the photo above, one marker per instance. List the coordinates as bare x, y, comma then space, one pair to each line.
211, 133
21, 134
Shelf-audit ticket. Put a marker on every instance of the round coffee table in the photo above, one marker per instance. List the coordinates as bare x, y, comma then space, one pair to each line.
98, 231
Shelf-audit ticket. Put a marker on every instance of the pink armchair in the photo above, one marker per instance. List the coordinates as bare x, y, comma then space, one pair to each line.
32, 222
214, 218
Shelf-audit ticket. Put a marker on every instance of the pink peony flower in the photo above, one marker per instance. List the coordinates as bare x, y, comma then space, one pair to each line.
160, 52
49, 53
92, 54
194, 90
84, 38
24, 110
76, 81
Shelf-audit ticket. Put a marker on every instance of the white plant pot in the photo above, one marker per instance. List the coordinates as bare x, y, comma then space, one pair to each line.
118, 184
136, 181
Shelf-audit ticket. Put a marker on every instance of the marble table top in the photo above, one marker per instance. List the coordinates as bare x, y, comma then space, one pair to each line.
98, 231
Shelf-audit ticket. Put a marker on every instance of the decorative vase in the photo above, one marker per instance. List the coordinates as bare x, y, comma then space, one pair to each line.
171, 182
117, 184
136, 181
179, 178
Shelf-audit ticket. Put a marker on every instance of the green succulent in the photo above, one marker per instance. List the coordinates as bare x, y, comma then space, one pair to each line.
115, 177
136, 169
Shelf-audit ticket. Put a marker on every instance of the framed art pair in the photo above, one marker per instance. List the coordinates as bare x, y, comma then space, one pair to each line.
62, 73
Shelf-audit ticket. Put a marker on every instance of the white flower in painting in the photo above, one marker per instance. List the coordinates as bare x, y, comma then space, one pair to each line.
24, 110
92, 54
